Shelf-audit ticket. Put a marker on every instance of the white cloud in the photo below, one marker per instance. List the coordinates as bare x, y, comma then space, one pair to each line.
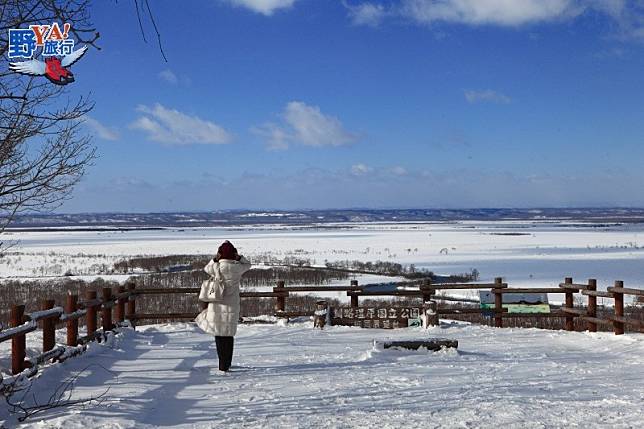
628, 16
498, 12
370, 14
265, 7
102, 131
171, 126
313, 128
168, 76
399, 171
360, 169
276, 137
305, 125
486, 95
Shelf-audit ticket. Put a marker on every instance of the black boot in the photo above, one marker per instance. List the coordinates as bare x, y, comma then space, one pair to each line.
224, 352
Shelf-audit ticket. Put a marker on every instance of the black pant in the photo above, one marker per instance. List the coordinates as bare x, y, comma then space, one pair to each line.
224, 352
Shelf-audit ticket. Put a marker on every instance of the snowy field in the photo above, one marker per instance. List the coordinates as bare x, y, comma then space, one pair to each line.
525, 253
295, 376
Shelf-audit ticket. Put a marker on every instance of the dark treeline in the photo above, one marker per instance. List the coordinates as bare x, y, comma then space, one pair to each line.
197, 262
31, 293
396, 269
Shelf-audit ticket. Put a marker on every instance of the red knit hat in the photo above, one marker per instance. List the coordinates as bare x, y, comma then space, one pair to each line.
227, 250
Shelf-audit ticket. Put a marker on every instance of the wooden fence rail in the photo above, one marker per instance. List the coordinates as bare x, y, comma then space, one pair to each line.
119, 305
49, 316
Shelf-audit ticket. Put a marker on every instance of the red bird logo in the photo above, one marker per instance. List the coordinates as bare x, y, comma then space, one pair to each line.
53, 68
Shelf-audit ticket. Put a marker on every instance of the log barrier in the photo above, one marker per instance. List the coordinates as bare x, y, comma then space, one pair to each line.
120, 305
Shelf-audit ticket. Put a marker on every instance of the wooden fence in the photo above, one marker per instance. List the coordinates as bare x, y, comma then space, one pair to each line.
119, 305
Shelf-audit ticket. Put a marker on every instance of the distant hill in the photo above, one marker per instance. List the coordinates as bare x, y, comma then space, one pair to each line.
119, 221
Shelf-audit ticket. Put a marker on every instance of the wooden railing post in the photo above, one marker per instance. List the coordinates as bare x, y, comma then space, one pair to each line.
92, 323
48, 327
618, 327
570, 320
71, 305
106, 314
591, 311
131, 303
354, 298
430, 306
498, 302
280, 301
18, 343
120, 305
321, 311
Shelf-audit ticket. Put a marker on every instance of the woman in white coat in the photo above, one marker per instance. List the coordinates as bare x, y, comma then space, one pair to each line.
221, 317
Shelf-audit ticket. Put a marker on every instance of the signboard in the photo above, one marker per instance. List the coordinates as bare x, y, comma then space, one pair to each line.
518, 302
377, 317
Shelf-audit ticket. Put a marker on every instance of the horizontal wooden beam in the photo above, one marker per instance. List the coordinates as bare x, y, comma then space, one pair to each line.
293, 313
262, 294
626, 320
535, 315
194, 290
532, 290
599, 293
387, 293
574, 286
147, 316
469, 310
447, 286
168, 290
90, 303
577, 311
318, 288
626, 290
596, 320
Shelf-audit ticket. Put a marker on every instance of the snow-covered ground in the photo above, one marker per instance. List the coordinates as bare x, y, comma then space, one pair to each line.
297, 376
525, 253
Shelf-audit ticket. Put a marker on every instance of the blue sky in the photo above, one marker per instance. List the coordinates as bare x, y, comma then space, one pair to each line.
402, 103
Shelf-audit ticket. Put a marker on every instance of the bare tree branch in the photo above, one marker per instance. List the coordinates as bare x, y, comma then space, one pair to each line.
43, 150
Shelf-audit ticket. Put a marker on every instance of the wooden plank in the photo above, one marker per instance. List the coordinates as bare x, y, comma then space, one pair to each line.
147, 316
90, 303
47, 356
262, 294
169, 290
626, 320
531, 290
447, 286
318, 288
90, 337
596, 320
626, 290
573, 286
577, 311
45, 313
534, 315
597, 293
189, 290
15, 331
293, 313
122, 295
386, 293
468, 310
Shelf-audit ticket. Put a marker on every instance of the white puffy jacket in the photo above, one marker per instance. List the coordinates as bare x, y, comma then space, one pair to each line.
221, 317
